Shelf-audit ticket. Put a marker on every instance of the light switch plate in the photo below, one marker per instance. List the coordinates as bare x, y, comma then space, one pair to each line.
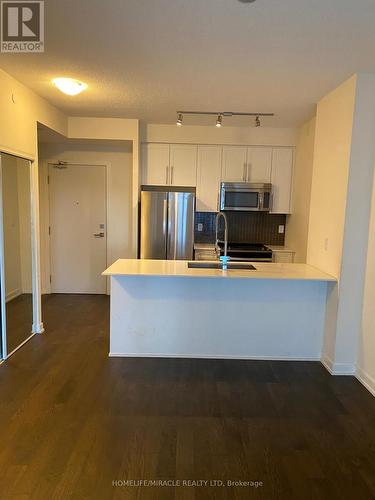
200, 227
281, 229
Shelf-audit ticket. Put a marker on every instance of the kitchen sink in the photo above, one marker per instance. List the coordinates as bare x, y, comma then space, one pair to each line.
200, 264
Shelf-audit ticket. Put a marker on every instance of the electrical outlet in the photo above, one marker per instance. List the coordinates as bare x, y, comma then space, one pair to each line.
200, 227
281, 229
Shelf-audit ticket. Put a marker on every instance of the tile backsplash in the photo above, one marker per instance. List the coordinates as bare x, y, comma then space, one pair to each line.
244, 227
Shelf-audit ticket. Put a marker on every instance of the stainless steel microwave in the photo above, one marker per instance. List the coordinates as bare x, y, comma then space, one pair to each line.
245, 196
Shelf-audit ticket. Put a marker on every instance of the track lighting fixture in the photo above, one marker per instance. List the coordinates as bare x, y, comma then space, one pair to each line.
220, 114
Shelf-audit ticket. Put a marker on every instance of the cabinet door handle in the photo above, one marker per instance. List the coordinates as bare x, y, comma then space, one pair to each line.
244, 172
172, 170
247, 172
166, 174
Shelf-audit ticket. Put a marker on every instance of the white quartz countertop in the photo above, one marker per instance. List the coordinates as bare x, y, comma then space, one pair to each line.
179, 268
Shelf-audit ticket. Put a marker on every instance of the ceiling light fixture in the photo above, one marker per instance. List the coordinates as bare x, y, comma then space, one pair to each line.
69, 86
247, 1
220, 114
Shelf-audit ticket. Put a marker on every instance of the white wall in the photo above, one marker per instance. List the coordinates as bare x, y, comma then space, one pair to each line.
297, 225
119, 157
340, 209
334, 124
357, 218
366, 345
260, 136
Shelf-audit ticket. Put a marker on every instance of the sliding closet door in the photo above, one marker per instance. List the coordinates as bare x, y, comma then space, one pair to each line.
16, 208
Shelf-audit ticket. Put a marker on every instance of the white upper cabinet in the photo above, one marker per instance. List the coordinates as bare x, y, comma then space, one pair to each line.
155, 164
208, 178
183, 165
234, 163
205, 166
247, 164
259, 164
281, 178
169, 164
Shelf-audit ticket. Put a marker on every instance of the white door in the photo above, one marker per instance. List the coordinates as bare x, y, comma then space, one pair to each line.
155, 164
281, 178
234, 163
183, 165
78, 241
259, 164
208, 178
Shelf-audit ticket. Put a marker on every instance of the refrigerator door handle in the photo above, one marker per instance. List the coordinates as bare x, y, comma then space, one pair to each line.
165, 225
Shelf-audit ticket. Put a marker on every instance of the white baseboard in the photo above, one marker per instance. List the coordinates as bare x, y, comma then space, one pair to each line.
338, 368
13, 294
209, 356
366, 380
37, 328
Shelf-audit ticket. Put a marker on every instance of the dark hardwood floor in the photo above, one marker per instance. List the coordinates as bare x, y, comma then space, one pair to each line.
72, 421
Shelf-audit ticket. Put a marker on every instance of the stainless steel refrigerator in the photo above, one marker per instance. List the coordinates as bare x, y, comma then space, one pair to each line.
167, 222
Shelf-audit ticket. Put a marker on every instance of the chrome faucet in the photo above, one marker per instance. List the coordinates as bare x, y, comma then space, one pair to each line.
223, 258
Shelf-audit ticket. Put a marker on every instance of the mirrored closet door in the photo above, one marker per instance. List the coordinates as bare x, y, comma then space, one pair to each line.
17, 297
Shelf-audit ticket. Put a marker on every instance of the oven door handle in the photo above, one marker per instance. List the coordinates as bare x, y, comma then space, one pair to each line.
256, 259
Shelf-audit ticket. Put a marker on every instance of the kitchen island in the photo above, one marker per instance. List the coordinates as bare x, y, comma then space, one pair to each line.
165, 309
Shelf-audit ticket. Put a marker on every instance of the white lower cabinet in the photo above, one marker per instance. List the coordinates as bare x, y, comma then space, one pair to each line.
208, 178
284, 257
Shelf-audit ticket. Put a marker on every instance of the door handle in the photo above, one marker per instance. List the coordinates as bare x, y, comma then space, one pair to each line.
247, 172
244, 172
167, 174
99, 235
172, 171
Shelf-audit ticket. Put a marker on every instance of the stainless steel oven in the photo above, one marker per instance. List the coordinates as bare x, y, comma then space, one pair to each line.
246, 196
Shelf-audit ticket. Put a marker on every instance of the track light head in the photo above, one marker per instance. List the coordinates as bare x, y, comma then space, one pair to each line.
179, 120
257, 121
219, 121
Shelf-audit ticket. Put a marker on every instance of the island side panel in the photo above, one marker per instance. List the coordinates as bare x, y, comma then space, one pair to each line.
205, 317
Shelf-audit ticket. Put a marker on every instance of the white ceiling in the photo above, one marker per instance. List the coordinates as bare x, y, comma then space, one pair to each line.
147, 58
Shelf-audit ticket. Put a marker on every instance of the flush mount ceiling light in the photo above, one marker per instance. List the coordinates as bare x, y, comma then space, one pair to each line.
220, 114
69, 86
